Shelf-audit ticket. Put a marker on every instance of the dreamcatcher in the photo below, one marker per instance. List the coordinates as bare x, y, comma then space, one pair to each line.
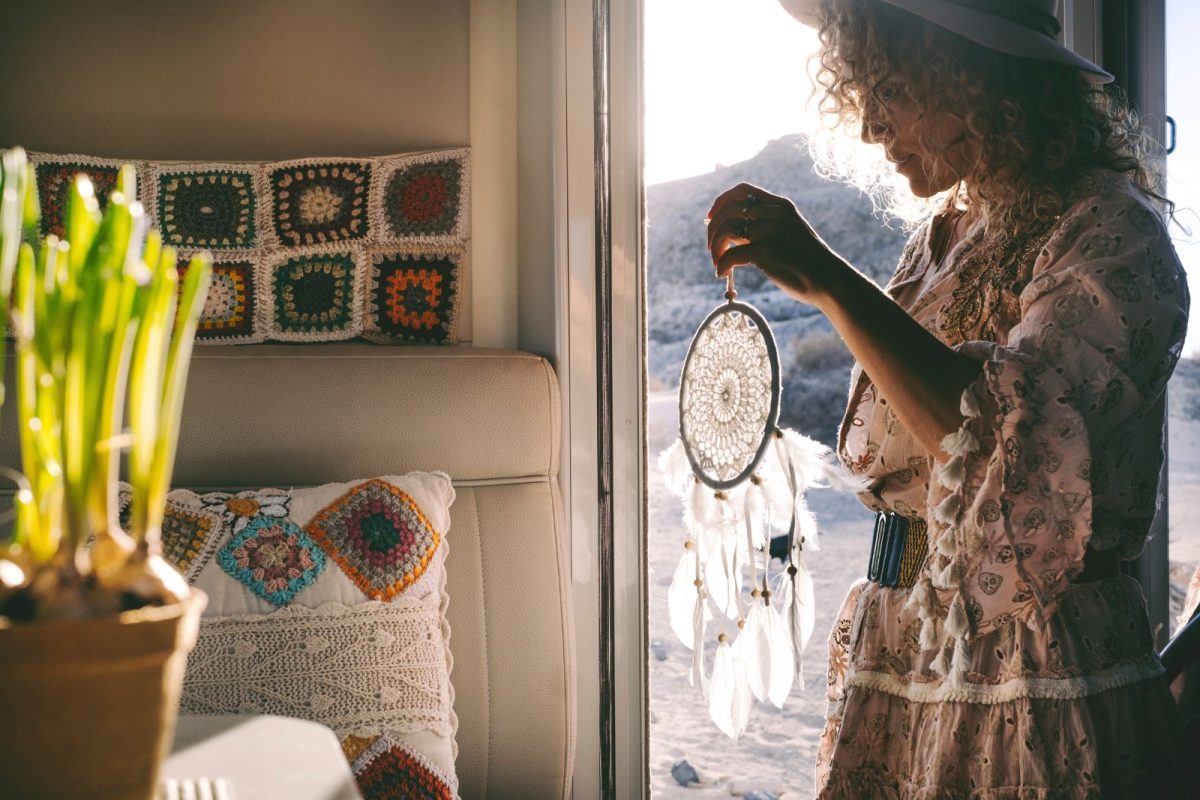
742, 481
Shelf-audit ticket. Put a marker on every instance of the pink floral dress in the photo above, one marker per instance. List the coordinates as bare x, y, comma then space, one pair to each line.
1005, 672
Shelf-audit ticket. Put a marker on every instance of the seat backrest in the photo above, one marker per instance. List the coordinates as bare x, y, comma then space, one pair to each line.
296, 415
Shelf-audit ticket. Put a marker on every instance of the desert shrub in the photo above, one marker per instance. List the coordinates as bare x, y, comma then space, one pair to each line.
820, 351
813, 403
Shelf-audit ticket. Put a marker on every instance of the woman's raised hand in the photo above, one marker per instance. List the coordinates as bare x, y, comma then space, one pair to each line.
749, 225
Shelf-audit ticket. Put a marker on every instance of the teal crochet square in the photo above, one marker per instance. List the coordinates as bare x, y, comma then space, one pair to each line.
274, 558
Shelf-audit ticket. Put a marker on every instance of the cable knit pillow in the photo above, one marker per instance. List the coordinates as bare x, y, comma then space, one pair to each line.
328, 604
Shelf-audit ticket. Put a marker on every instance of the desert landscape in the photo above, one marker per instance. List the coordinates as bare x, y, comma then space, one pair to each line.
774, 757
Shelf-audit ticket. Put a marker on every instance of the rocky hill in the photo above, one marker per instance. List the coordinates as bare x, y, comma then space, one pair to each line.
682, 290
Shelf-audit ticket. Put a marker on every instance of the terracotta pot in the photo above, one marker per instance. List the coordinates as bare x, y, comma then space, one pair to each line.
87, 709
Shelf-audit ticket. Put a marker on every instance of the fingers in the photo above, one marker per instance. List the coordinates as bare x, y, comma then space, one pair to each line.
742, 195
735, 256
736, 195
731, 218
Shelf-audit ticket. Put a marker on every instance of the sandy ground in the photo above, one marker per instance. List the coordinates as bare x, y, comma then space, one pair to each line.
777, 751
1183, 464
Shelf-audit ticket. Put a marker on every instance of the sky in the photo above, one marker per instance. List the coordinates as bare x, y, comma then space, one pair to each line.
724, 77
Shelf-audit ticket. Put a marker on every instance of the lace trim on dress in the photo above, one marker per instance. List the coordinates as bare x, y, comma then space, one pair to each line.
358, 670
1131, 672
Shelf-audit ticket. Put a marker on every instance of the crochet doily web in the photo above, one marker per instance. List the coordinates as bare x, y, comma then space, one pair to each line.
725, 395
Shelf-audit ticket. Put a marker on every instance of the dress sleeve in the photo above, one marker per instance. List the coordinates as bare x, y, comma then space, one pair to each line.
1101, 326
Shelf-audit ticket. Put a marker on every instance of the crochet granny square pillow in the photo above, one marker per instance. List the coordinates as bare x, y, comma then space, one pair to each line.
328, 604
309, 250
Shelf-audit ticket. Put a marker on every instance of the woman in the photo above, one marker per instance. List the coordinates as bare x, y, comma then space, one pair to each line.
1007, 406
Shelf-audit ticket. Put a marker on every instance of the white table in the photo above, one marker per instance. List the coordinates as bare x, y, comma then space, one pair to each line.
264, 758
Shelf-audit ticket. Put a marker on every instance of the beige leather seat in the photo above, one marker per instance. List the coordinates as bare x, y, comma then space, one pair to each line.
282, 415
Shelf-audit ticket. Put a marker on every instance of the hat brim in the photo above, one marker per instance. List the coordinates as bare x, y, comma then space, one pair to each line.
988, 30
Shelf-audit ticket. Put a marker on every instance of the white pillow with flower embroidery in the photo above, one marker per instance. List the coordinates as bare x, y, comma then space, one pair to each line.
328, 603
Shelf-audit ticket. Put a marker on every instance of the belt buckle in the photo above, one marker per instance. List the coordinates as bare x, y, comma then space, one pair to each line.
878, 544
897, 536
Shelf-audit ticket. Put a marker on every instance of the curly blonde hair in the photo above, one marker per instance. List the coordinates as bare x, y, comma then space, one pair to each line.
1038, 126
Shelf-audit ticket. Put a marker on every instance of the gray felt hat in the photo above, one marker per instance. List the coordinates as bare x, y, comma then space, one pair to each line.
1022, 28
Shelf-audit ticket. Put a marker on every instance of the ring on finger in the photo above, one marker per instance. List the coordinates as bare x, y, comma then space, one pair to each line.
741, 229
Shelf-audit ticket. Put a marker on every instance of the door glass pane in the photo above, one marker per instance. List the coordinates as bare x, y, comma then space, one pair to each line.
717, 115
1183, 186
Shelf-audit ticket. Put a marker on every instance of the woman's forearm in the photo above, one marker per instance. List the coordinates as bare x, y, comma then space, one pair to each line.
921, 378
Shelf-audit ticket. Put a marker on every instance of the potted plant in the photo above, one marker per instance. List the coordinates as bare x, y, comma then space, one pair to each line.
95, 625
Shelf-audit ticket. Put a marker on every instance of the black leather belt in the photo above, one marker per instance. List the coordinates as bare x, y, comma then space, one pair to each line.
898, 549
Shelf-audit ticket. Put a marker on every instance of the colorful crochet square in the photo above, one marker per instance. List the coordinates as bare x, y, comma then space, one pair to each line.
314, 296
413, 297
211, 209
229, 310
274, 558
423, 199
378, 535
54, 186
189, 536
320, 203
395, 773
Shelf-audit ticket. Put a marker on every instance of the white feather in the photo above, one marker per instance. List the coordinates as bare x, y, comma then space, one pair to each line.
817, 466
755, 516
728, 696
693, 505
779, 502
947, 545
806, 526
796, 603
783, 660
697, 675
721, 576
705, 511
676, 470
755, 650
805, 602
681, 598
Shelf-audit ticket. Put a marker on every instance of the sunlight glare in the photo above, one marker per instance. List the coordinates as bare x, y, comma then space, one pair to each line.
725, 113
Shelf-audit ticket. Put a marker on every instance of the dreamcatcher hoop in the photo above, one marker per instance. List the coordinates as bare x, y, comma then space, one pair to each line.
726, 392
742, 481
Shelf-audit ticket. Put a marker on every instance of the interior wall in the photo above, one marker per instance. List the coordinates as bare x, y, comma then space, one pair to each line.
228, 79
277, 79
